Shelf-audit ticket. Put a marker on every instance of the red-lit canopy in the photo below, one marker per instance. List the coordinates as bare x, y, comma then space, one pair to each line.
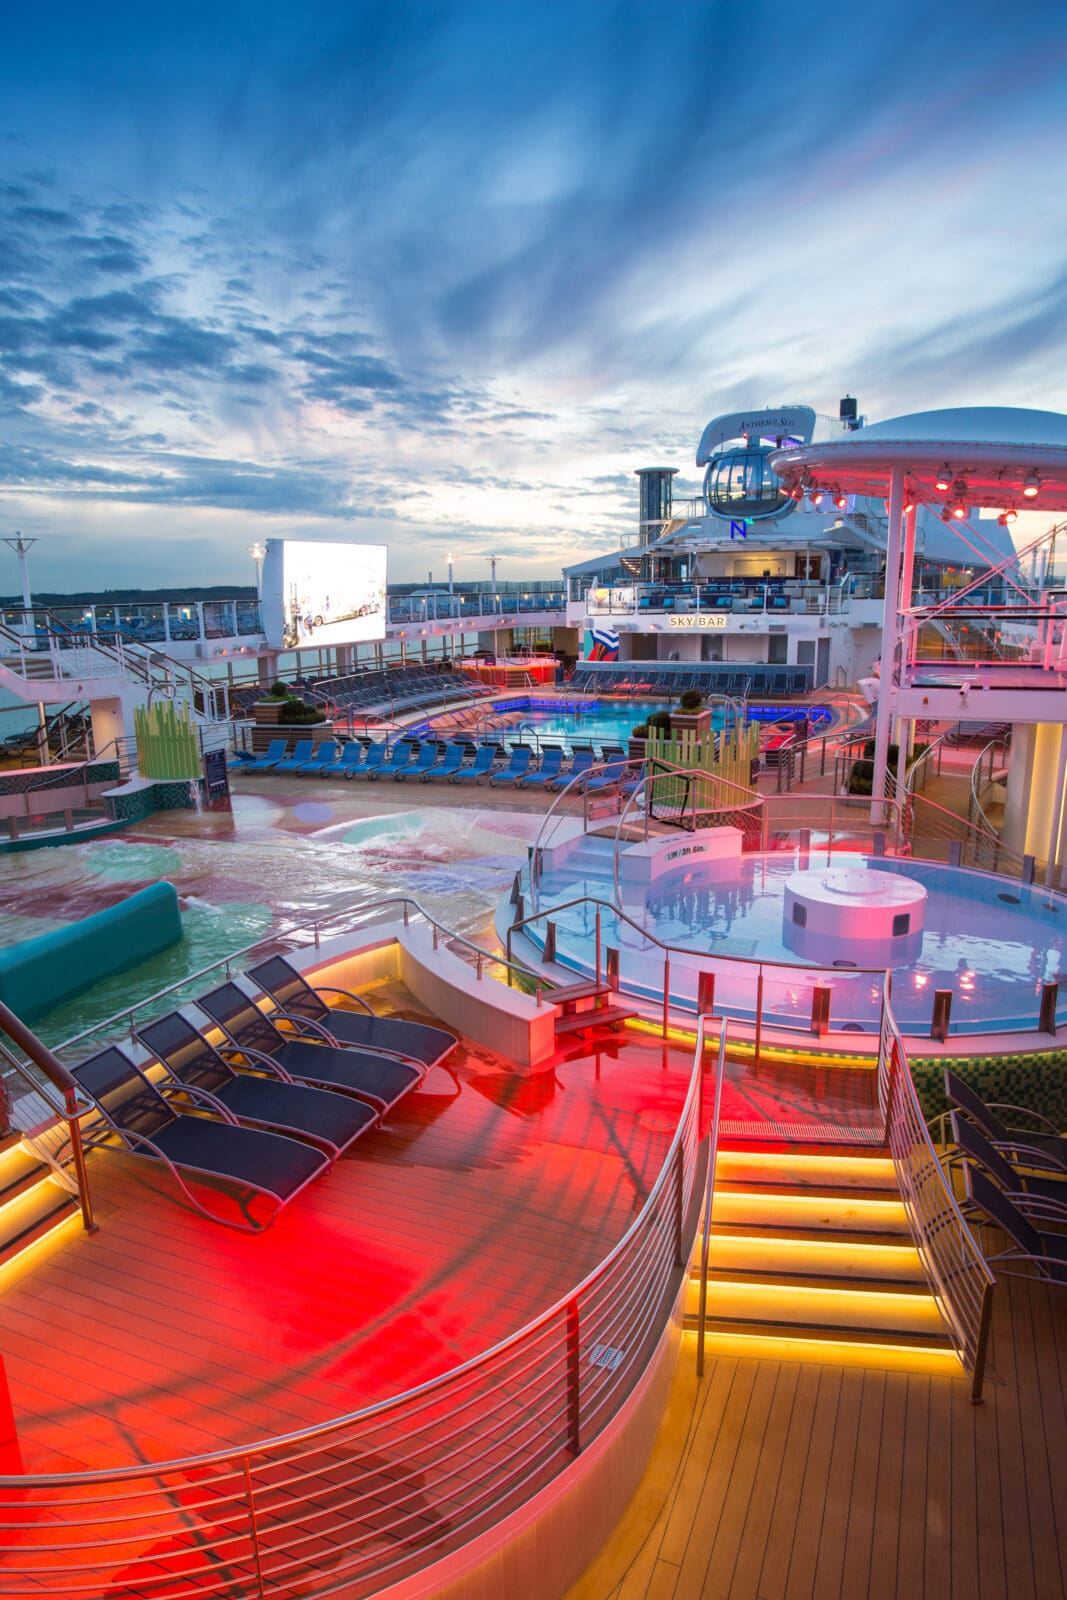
991, 451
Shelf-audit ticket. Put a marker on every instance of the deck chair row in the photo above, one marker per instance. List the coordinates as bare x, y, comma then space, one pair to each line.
431, 760
267, 1107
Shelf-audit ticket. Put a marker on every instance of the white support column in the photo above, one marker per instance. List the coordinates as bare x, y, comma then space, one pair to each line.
907, 578
890, 636
1055, 831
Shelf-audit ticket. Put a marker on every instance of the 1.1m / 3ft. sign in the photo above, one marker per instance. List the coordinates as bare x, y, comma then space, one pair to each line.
708, 619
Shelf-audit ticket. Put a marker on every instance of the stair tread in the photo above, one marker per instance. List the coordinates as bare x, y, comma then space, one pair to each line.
808, 1235
804, 1191
26, 1179
576, 991
833, 1333
861, 1283
64, 1206
593, 1019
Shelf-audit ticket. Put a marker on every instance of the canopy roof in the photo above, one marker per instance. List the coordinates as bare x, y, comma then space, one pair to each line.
991, 450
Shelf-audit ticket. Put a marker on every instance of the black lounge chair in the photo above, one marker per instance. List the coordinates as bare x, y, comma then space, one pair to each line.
253, 1163
309, 1057
298, 1001
1045, 1252
1044, 1147
331, 1121
973, 1146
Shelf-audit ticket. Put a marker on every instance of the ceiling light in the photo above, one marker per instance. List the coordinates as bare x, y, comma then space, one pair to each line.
946, 514
1006, 518
1031, 484
959, 488
817, 498
944, 477
959, 510
840, 500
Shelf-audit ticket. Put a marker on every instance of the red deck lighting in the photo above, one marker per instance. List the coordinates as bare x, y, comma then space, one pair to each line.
1031, 485
944, 477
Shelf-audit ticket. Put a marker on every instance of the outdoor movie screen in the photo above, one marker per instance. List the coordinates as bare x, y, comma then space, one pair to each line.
321, 594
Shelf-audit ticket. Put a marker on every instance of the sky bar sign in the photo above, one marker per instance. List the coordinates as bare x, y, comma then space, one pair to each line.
705, 619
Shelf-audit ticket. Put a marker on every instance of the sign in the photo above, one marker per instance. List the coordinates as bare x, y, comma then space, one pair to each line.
698, 619
738, 530
216, 779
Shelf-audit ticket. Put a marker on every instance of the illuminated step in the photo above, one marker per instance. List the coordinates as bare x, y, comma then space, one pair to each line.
791, 1305
752, 1252
751, 1167
31, 1207
839, 1211
877, 1355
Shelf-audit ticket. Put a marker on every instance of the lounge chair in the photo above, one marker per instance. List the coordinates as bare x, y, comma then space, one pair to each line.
298, 1000
300, 755
583, 760
455, 755
331, 1121
241, 760
136, 1112
350, 759
1046, 1148
610, 778
308, 1057
403, 756
275, 753
324, 757
973, 1146
429, 755
372, 762
1046, 1252
521, 756
480, 768
551, 765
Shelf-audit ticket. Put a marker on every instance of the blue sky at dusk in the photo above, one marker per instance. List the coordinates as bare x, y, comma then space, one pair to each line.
445, 274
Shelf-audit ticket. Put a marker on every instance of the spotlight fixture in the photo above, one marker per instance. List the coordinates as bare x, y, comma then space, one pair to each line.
817, 498
1006, 518
944, 477
910, 497
1031, 484
959, 488
946, 514
840, 500
959, 510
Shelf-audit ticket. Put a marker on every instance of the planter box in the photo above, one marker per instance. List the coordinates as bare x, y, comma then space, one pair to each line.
695, 722
262, 734
267, 712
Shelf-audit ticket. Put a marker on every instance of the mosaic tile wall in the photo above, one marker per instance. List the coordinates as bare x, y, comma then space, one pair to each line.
1036, 1079
165, 795
19, 780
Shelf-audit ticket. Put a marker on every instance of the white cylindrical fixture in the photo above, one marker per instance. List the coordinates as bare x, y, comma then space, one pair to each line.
890, 636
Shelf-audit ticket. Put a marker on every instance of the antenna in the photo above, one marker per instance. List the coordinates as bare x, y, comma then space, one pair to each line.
21, 548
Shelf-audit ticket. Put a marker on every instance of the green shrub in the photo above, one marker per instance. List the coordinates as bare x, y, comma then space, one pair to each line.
660, 722
280, 690
295, 713
640, 732
692, 700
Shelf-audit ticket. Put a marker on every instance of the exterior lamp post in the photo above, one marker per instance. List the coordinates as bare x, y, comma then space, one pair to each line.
257, 552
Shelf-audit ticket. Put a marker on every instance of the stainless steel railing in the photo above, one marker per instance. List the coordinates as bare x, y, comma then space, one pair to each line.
953, 1264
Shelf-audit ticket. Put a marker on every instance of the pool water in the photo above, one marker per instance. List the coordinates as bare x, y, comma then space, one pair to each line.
613, 722
991, 943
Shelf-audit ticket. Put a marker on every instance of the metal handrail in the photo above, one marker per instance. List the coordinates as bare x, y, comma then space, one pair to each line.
55, 1073
709, 1185
955, 1268
407, 903
486, 1435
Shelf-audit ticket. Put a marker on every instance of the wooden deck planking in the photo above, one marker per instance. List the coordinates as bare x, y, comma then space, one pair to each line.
437, 1235
848, 1483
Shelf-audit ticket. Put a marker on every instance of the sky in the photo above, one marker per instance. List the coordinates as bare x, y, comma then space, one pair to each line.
445, 274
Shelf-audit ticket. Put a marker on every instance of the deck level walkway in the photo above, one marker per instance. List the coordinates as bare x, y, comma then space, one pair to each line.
485, 1198
788, 1480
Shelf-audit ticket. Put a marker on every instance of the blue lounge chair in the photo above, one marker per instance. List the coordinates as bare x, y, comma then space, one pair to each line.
428, 757
331, 1121
481, 767
403, 756
147, 1125
275, 753
300, 755
351, 757
324, 757
372, 764
308, 1057
521, 756
241, 760
298, 1002
455, 755
611, 776
583, 760
550, 768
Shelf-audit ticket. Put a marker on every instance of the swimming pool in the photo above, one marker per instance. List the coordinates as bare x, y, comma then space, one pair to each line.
991, 943
603, 721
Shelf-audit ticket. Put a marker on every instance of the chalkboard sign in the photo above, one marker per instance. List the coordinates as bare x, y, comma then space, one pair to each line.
216, 778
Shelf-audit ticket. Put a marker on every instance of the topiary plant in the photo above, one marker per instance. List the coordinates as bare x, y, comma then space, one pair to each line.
660, 722
279, 690
692, 700
640, 732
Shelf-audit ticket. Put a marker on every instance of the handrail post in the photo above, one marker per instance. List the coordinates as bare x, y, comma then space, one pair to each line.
574, 1379
253, 1528
679, 1209
666, 991
759, 1020
982, 1344
70, 1102
597, 968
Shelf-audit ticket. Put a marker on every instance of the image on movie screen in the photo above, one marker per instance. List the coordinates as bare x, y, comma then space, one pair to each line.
330, 593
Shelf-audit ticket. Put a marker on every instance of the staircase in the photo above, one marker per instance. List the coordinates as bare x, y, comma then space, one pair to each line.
33, 1202
582, 1006
811, 1258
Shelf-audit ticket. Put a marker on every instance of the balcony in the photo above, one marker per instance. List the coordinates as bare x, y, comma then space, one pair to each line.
737, 596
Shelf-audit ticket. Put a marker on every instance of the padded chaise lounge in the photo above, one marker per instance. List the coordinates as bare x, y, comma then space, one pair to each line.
298, 1000
331, 1121
309, 1057
1044, 1147
252, 1162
